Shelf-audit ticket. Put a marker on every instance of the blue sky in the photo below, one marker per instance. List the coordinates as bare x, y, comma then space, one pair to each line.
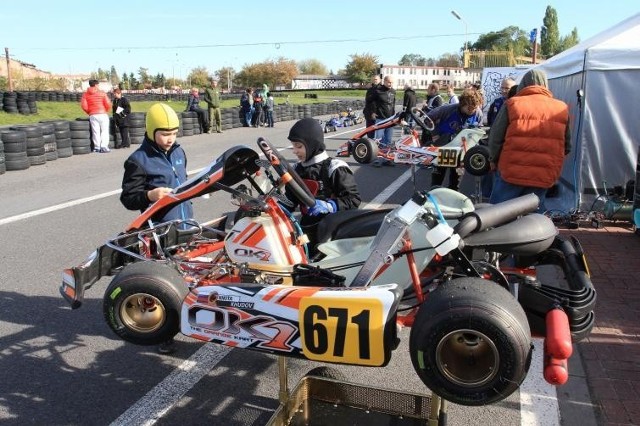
173, 37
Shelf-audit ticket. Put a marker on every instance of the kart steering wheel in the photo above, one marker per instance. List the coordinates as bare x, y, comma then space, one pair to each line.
417, 114
288, 175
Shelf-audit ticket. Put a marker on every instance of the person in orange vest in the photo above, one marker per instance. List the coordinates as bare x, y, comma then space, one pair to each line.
529, 140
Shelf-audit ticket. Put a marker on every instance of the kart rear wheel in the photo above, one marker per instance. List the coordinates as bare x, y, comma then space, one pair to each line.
365, 150
476, 161
143, 302
470, 342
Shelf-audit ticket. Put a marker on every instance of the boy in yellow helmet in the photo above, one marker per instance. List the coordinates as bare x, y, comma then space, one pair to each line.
158, 166
154, 169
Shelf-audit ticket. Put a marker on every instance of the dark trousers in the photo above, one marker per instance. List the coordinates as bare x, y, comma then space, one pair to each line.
125, 140
370, 122
437, 177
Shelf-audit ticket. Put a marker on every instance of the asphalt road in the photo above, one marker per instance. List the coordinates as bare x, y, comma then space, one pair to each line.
64, 367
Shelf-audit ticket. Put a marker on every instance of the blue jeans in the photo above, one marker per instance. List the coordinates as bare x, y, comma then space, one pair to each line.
384, 134
503, 191
248, 115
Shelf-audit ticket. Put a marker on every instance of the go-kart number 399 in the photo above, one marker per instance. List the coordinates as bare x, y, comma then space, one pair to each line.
448, 157
342, 331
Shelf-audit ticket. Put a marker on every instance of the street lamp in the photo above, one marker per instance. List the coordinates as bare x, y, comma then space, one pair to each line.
457, 15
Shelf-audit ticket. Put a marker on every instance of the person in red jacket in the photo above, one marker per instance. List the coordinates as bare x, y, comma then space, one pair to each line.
97, 106
528, 141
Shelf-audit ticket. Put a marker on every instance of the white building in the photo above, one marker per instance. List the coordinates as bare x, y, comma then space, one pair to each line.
419, 77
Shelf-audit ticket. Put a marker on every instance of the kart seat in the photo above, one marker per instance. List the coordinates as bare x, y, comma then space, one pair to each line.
350, 224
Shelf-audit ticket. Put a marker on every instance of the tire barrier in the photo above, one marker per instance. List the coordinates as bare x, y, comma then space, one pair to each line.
22, 146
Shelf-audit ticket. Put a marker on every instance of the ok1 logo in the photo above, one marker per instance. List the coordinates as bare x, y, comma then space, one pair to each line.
348, 330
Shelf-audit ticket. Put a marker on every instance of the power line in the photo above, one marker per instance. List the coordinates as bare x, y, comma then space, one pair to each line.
277, 44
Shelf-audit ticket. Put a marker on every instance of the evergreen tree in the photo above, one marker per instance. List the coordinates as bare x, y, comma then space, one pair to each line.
549, 34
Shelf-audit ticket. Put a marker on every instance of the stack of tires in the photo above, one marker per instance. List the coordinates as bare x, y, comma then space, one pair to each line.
190, 125
137, 126
50, 145
62, 135
35, 143
15, 149
10, 102
80, 136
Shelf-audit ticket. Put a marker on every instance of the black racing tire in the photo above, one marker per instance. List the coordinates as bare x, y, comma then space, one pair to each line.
365, 150
470, 342
142, 303
476, 161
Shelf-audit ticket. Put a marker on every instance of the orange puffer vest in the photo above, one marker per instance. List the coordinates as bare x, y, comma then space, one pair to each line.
533, 150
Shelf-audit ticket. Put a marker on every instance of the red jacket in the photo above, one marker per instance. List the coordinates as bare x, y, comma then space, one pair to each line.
95, 101
534, 144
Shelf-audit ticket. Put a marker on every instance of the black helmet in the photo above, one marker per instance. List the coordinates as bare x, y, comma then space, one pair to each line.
308, 132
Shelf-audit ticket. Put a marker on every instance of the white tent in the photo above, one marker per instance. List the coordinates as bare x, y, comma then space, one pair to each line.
599, 79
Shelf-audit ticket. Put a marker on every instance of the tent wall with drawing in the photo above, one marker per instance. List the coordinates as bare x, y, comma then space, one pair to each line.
605, 117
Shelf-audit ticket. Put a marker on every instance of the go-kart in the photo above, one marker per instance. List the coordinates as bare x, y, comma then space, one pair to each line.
253, 286
464, 150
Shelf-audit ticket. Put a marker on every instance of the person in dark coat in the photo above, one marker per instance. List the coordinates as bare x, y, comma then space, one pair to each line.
121, 109
408, 103
368, 104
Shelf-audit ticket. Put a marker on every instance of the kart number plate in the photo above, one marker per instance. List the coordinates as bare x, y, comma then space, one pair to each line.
343, 330
448, 157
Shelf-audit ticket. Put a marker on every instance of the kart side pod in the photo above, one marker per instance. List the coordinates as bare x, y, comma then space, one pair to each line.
336, 325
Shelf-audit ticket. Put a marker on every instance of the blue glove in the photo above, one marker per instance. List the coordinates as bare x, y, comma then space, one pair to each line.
322, 207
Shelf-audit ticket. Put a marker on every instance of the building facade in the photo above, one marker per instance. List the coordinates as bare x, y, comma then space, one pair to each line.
419, 77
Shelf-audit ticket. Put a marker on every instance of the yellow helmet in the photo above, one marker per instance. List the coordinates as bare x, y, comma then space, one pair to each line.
160, 117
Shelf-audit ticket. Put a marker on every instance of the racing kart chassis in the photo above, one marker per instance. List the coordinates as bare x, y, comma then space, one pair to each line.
461, 302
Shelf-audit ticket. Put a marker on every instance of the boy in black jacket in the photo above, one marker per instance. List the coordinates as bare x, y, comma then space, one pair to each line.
337, 187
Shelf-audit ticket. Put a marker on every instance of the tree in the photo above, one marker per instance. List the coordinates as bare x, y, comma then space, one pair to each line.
199, 77
273, 73
133, 83
549, 34
569, 41
451, 60
361, 68
113, 76
511, 38
225, 76
144, 77
412, 59
312, 67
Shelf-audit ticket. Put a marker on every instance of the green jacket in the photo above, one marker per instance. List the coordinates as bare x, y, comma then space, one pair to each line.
212, 97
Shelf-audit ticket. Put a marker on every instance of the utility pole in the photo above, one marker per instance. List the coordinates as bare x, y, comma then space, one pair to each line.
9, 80
533, 37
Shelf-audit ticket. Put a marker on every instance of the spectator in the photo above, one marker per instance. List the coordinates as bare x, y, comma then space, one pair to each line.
97, 106
508, 88
528, 141
384, 106
434, 100
246, 106
193, 104
368, 104
212, 98
268, 108
505, 86
338, 189
453, 98
121, 110
408, 103
258, 107
153, 170
449, 120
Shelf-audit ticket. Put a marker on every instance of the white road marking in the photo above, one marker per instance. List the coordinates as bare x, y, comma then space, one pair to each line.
538, 399
159, 400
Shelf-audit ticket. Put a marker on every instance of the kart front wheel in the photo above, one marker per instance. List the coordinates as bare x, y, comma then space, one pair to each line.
143, 302
476, 161
365, 151
470, 342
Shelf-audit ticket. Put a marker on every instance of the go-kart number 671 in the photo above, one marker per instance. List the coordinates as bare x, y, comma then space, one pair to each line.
345, 331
